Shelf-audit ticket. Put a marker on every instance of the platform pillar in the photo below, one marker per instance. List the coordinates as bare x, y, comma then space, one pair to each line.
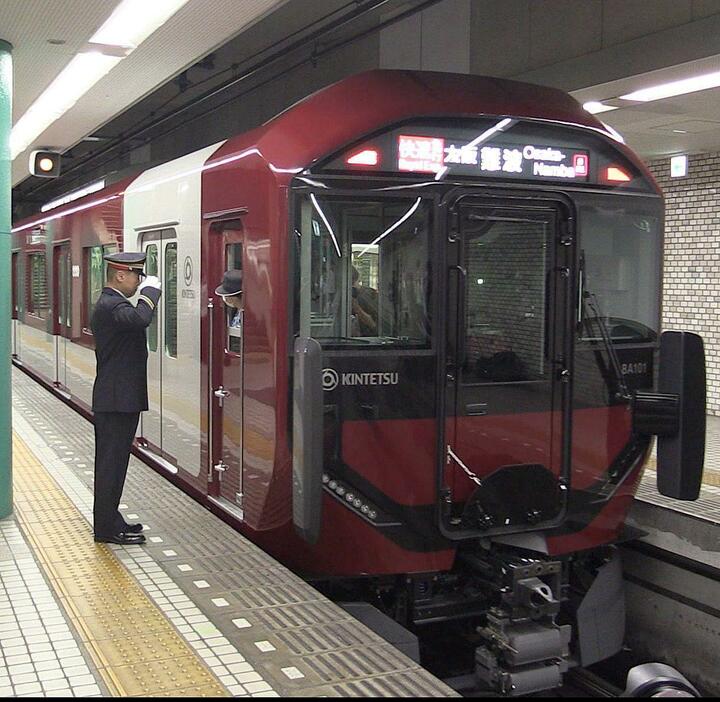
5, 281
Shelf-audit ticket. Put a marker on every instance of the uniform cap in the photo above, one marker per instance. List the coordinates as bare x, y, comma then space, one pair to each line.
231, 284
127, 261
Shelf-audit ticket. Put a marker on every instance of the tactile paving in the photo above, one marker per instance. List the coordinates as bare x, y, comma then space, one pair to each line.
259, 628
99, 595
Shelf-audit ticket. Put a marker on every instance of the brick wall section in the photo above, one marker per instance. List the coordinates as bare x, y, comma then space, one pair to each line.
692, 257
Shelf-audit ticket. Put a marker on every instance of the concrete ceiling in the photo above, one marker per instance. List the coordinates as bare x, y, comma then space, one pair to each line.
683, 124
46, 35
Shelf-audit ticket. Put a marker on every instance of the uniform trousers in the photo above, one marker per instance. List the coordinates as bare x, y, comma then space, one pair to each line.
114, 434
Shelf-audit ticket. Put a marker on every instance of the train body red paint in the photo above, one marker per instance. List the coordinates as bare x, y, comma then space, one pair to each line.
470, 286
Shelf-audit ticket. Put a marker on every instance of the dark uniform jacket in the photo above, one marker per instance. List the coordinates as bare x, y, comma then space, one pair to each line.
121, 350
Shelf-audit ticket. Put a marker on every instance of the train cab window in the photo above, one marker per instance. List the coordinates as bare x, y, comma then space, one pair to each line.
151, 268
620, 274
368, 267
506, 260
38, 302
233, 262
171, 307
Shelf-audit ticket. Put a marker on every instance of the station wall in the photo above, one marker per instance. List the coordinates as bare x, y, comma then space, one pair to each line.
692, 257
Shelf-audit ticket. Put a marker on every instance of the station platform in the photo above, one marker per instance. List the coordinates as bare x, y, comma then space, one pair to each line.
198, 611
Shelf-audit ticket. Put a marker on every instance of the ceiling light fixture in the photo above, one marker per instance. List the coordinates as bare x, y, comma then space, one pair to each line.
133, 21
128, 26
595, 108
676, 87
83, 71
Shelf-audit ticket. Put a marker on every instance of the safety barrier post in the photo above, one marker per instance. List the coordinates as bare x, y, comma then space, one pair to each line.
5, 281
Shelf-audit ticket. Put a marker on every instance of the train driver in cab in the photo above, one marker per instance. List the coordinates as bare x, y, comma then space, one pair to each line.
364, 307
231, 292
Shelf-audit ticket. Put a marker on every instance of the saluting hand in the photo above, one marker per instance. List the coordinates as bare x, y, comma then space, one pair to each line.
151, 281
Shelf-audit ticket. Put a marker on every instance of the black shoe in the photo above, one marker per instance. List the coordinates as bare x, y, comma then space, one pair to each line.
133, 528
122, 538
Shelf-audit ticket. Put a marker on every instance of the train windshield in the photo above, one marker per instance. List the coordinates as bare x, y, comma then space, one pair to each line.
620, 272
368, 266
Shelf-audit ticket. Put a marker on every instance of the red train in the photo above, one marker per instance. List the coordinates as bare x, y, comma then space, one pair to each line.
442, 393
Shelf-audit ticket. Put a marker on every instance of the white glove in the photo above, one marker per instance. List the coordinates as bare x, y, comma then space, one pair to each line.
150, 282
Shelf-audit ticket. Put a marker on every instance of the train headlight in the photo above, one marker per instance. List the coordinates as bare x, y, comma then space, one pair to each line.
332, 484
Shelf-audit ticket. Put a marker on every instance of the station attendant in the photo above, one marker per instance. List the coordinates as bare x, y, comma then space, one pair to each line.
120, 390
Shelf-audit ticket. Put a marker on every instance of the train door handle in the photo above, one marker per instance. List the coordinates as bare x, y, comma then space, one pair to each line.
221, 393
220, 468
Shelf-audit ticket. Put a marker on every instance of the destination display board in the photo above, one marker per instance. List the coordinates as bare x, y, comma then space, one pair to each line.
433, 154
490, 149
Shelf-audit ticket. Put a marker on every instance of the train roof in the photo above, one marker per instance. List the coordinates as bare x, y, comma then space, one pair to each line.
334, 116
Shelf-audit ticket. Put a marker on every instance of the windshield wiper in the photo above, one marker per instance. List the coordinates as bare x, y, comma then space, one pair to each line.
590, 303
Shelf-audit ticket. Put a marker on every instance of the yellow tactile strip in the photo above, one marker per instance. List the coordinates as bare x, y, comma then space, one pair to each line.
135, 649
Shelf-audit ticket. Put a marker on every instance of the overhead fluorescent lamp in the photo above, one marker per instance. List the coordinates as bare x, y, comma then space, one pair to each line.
677, 87
83, 71
595, 108
128, 26
87, 190
133, 21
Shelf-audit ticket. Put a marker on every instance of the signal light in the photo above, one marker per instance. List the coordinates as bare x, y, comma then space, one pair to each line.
617, 175
366, 157
45, 164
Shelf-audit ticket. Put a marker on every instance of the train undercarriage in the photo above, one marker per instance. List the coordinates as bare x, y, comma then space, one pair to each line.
503, 622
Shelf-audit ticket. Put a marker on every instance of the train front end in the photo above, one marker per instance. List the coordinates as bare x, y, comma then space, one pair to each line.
477, 346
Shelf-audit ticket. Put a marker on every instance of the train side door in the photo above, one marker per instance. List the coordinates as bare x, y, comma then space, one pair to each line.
226, 371
506, 397
62, 308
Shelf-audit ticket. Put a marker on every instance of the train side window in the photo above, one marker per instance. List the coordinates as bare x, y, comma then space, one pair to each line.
233, 262
38, 302
95, 277
151, 268
170, 284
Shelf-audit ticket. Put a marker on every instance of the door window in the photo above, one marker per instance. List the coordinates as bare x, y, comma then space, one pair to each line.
234, 315
15, 285
170, 283
64, 290
506, 260
151, 268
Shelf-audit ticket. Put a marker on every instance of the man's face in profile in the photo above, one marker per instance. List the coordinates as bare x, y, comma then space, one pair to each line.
234, 301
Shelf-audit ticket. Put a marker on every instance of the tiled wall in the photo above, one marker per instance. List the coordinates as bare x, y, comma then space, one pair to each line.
692, 257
